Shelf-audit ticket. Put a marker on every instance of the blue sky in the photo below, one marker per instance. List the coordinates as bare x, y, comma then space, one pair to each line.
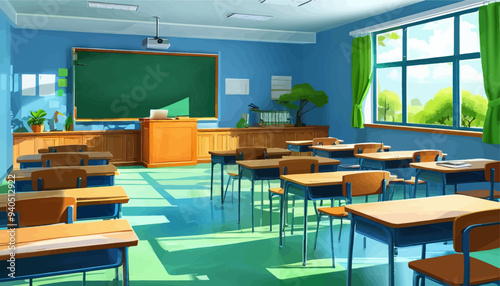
433, 39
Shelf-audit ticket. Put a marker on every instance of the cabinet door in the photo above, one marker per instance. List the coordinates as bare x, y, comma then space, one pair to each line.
71, 140
280, 138
23, 146
133, 147
262, 139
206, 143
321, 133
94, 142
115, 144
45, 142
304, 135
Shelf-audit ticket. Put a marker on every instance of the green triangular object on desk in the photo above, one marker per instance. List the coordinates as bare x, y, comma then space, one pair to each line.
241, 123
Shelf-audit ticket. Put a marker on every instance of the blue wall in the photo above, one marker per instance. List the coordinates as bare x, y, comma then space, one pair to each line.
327, 65
46, 51
5, 66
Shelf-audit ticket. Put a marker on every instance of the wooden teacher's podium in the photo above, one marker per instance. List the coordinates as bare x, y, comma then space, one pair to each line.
168, 142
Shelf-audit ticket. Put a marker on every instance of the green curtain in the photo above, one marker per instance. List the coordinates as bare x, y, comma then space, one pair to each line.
489, 39
361, 76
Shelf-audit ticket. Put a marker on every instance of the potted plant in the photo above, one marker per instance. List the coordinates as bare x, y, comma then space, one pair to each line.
36, 120
304, 93
68, 124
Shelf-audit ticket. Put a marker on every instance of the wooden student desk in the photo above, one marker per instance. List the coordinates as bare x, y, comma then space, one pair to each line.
96, 176
42, 250
315, 186
430, 171
337, 151
302, 145
91, 203
410, 222
269, 170
35, 160
387, 160
228, 157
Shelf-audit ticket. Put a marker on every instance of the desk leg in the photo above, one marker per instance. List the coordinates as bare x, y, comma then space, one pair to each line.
304, 235
391, 259
239, 194
282, 206
350, 251
221, 184
212, 180
253, 203
125, 267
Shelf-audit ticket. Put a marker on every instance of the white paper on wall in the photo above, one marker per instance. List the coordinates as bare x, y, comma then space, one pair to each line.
47, 84
280, 85
28, 84
237, 86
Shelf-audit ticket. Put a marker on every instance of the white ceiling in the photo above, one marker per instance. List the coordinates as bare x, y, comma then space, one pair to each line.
198, 18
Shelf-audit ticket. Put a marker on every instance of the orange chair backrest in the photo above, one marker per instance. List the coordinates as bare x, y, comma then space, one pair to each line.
251, 153
62, 159
298, 166
368, 147
43, 211
487, 171
427, 155
68, 148
325, 141
365, 183
481, 238
59, 178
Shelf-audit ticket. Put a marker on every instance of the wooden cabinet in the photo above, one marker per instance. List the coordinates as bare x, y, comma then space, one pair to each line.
169, 142
231, 138
123, 144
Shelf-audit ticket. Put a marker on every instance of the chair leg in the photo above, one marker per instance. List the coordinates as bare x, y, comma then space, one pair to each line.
84, 278
232, 191
270, 212
261, 200
227, 186
331, 241
364, 242
427, 189
317, 230
340, 230
404, 192
31, 282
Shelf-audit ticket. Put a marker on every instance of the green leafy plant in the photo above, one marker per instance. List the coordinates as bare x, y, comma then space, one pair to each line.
303, 93
37, 118
386, 36
68, 123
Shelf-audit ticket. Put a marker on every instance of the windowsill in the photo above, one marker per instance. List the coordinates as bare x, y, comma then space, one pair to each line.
428, 130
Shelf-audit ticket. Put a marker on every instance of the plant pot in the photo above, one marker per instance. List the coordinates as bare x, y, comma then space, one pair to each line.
37, 128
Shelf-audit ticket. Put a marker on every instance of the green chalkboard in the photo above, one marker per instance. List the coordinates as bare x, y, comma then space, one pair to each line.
126, 84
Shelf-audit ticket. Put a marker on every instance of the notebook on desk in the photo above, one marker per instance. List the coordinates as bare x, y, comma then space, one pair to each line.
454, 164
158, 114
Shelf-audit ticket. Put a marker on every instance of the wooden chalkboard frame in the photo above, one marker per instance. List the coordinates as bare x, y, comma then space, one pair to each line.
75, 50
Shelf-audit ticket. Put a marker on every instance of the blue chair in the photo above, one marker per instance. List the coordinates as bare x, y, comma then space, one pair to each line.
354, 185
289, 167
68, 148
246, 153
58, 178
61, 159
492, 175
477, 231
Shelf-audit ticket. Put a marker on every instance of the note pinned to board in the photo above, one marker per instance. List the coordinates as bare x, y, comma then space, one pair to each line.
237, 86
280, 85
63, 82
62, 72
47, 84
28, 84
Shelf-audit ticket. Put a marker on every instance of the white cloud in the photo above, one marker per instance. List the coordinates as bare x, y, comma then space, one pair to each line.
392, 55
440, 43
442, 70
470, 74
418, 72
469, 40
394, 74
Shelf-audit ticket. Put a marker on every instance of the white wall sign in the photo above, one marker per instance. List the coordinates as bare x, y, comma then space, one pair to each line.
237, 86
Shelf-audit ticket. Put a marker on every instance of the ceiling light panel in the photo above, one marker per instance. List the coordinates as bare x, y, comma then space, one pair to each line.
249, 17
286, 2
113, 6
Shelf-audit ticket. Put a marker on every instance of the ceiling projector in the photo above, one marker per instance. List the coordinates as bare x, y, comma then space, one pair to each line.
156, 43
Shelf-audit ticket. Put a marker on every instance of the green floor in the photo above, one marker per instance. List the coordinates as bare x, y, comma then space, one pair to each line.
186, 239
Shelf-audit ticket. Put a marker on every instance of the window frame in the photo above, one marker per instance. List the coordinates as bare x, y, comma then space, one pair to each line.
404, 64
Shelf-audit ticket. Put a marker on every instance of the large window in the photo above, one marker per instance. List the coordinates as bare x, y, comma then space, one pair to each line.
429, 74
